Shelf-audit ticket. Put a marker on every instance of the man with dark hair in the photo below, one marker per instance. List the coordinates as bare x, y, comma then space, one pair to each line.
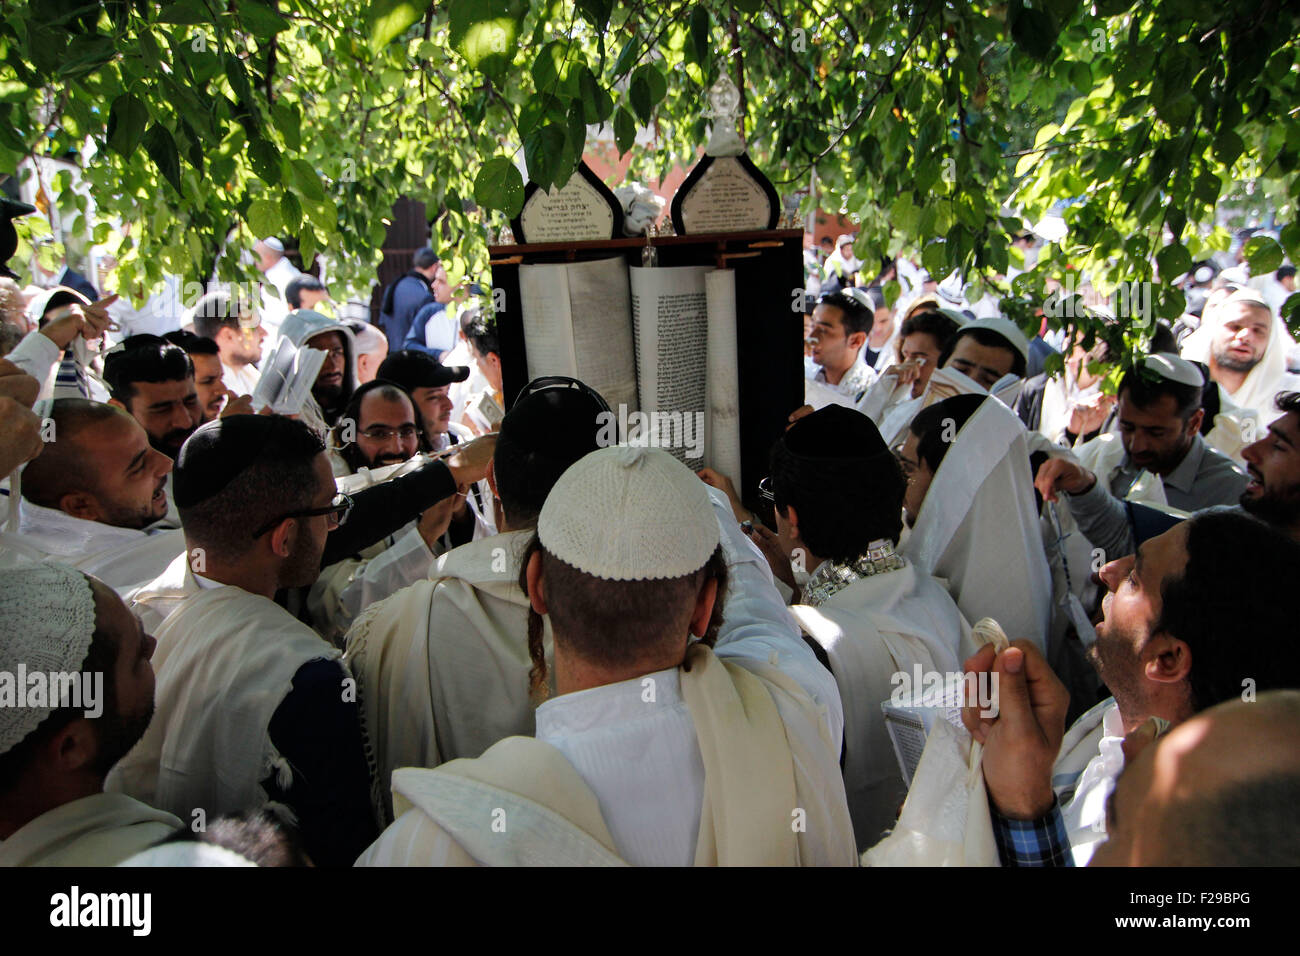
986, 351
841, 324
154, 381
305, 291
896, 396
929, 436
387, 426
95, 496
407, 295
1170, 645
208, 381
56, 752
1158, 457
465, 614
656, 749
234, 325
485, 349
1273, 465
838, 493
433, 328
252, 705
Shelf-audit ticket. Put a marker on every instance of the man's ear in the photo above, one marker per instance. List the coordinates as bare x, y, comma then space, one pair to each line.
857, 340
492, 477
116, 404
536, 591
80, 504
1194, 423
74, 747
792, 519
284, 537
703, 611
1166, 660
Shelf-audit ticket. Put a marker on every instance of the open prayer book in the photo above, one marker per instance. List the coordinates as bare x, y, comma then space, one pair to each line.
909, 722
287, 379
658, 343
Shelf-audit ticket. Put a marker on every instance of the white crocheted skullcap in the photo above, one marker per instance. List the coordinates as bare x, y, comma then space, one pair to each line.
187, 853
1174, 369
1005, 328
47, 620
629, 513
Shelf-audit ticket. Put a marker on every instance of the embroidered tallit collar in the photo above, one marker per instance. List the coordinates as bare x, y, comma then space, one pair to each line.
833, 576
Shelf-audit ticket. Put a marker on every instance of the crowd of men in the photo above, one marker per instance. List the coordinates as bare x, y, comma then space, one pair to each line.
388, 630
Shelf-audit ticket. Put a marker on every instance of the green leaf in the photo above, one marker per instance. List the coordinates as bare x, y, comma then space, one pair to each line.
291, 211
388, 19
499, 185
646, 89
265, 160
160, 146
626, 56
127, 118
699, 46
262, 21
596, 103
547, 67
486, 32
1173, 261
1290, 237
288, 120
544, 152
1264, 255
308, 180
264, 218
624, 130
935, 259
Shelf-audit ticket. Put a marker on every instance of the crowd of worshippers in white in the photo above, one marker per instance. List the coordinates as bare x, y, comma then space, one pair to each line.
358, 637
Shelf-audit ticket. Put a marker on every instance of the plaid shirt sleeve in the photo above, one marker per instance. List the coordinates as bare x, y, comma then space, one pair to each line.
1041, 842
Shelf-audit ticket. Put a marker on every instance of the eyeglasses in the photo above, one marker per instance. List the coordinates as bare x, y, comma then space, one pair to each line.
909, 468
545, 382
765, 490
387, 432
337, 510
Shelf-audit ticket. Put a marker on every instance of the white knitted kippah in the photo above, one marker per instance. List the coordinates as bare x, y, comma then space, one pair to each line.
47, 619
629, 514
1174, 369
1005, 328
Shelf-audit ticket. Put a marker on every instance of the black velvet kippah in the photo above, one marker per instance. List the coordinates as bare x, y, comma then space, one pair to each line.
559, 423
835, 432
220, 450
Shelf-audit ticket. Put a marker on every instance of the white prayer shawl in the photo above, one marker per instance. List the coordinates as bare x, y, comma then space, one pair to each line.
978, 530
225, 661
102, 829
1085, 813
1234, 428
754, 785
154, 601
442, 666
875, 628
1265, 380
123, 558
1059, 394
329, 616
242, 379
891, 406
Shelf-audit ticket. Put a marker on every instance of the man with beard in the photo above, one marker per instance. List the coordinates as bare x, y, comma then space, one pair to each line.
1192, 620
95, 496
231, 322
1159, 457
337, 377
53, 758
253, 708
1273, 464
154, 381
1245, 347
209, 380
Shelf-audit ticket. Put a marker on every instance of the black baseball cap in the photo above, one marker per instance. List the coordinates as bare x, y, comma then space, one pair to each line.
413, 369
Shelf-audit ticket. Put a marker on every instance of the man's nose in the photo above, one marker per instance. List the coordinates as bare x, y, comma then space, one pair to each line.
1114, 572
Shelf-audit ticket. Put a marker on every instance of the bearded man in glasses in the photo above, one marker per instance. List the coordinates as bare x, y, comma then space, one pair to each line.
254, 709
